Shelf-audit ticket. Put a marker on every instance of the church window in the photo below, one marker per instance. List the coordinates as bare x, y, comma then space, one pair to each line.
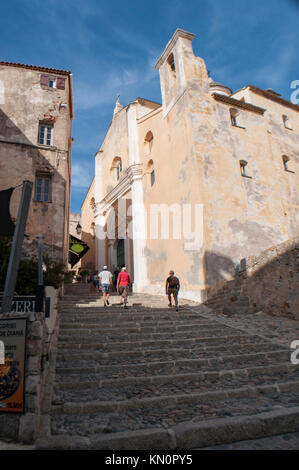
234, 113
286, 160
150, 170
153, 177
148, 142
118, 170
243, 165
171, 62
286, 122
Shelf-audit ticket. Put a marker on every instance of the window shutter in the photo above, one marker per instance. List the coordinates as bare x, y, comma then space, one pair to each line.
60, 83
44, 80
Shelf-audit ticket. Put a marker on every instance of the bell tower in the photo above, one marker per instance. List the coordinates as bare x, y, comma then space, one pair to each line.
178, 67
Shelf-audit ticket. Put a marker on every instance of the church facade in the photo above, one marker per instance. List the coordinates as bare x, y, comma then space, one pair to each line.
198, 183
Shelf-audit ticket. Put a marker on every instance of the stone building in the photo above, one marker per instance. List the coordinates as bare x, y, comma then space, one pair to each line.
36, 113
82, 226
88, 230
75, 224
197, 183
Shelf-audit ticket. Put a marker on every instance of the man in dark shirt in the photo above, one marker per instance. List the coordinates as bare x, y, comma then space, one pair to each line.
172, 287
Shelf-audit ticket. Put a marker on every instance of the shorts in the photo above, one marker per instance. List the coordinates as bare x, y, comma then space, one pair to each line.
123, 291
174, 291
106, 288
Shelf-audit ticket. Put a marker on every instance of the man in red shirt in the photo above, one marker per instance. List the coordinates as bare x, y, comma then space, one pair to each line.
123, 285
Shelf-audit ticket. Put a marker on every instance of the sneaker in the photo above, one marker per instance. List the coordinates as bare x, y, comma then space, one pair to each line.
169, 305
177, 309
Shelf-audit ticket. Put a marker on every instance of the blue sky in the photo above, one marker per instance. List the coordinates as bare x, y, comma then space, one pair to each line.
111, 47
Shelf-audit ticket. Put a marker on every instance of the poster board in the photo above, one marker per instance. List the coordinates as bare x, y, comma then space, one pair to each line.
13, 334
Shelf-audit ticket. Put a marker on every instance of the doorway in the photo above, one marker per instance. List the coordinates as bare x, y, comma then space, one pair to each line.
120, 253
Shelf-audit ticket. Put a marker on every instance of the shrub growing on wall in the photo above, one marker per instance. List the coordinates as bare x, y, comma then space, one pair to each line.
28, 271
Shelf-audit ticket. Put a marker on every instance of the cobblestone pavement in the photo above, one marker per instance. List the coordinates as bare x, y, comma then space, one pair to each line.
151, 377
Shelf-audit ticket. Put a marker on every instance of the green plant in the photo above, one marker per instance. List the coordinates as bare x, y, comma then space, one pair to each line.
54, 274
84, 272
69, 275
27, 279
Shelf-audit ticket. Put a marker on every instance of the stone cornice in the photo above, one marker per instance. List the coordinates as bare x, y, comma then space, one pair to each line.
180, 33
237, 103
132, 174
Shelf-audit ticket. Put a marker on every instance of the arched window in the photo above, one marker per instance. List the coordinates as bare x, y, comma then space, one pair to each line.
286, 160
234, 113
243, 165
148, 142
93, 228
150, 170
171, 62
116, 168
286, 122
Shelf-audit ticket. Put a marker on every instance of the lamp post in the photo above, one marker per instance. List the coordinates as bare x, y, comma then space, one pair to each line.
40, 285
16, 249
79, 229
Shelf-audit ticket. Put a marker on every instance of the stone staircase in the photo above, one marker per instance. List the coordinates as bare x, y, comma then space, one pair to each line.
153, 378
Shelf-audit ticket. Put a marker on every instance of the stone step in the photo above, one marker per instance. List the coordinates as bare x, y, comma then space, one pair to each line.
97, 320
104, 338
154, 378
170, 366
288, 391
77, 379
109, 322
195, 342
279, 369
185, 435
96, 306
169, 353
125, 329
150, 387
182, 412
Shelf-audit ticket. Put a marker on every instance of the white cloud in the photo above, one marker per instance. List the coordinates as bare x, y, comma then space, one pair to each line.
119, 81
275, 73
82, 175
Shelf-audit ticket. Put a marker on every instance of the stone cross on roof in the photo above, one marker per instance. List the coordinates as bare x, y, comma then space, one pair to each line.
118, 106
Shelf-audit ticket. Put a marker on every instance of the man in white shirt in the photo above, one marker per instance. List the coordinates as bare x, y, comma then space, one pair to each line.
105, 279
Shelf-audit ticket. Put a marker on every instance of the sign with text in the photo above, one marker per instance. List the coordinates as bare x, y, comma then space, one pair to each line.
22, 304
13, 337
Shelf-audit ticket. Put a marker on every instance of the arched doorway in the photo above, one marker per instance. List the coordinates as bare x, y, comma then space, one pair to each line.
120, 253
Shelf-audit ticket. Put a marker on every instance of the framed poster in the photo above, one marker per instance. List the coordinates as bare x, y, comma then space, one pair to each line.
13, 334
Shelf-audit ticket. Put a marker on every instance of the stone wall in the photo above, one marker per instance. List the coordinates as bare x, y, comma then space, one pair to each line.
267, 282
41, 333
27, 104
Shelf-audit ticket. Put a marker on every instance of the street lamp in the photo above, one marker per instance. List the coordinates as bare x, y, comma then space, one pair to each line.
79, 229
